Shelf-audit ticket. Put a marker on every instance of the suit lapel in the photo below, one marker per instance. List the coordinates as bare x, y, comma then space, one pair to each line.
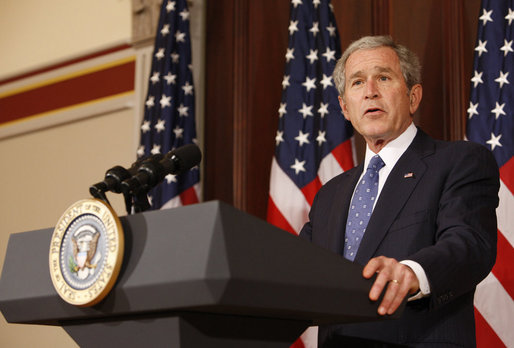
394, 195
339, 210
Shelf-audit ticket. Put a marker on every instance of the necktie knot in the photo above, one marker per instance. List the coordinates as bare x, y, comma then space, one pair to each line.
376, 163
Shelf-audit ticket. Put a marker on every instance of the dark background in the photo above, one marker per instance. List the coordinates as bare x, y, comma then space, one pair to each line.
246, 45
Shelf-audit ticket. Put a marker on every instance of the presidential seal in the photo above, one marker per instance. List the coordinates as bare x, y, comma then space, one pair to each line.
86, 252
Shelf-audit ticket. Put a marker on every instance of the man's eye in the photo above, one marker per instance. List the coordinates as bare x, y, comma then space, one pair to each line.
356, 83
384, 78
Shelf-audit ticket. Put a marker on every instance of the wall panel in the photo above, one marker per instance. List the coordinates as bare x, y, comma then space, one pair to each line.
267, 48
219, 95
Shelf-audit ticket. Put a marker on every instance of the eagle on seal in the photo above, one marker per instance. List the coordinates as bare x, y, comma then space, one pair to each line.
84, 241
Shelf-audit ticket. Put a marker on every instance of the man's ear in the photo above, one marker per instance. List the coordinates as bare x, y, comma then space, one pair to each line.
344, 107
415, 95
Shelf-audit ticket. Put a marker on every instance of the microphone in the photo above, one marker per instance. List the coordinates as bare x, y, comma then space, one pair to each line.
117, 174
151, 173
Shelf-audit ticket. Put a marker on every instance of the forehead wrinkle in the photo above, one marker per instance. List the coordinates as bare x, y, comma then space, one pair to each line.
376, 69
382, 69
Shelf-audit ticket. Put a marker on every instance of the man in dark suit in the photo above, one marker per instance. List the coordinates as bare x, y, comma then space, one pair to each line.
425, 225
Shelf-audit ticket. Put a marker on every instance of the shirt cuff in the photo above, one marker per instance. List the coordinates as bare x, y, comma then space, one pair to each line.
424, 286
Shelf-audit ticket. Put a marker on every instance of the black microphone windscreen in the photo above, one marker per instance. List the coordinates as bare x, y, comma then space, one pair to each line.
188, 156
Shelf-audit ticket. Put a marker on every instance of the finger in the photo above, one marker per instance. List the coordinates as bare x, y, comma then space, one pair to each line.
373, 266
380, 283
402, 290
397, 301
406, 279
391, 294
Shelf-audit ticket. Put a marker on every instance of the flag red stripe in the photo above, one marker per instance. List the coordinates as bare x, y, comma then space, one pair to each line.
310, 190
276, 218
485, 335
502, 270
507, 174
343, 155
298, 344
189, 196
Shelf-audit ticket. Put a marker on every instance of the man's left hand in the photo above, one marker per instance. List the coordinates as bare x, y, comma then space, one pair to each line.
400, 278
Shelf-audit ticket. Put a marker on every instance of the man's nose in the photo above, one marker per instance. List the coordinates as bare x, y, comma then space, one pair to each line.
371, 89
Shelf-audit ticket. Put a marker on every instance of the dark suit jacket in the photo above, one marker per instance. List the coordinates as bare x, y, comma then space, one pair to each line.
443, 217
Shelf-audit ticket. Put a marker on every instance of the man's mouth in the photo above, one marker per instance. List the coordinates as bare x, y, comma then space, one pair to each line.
373, 111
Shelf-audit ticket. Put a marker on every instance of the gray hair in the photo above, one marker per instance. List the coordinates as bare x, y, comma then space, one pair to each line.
409, 62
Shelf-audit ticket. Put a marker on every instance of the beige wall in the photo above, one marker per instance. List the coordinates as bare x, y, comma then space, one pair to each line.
44, 171
35, 32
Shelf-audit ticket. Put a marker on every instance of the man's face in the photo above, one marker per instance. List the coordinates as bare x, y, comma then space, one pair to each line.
376, 100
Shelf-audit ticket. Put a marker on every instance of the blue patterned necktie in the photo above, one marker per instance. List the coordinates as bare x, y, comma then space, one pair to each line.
361, 208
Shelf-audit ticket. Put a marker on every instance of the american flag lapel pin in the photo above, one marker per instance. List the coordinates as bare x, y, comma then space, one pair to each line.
408, 175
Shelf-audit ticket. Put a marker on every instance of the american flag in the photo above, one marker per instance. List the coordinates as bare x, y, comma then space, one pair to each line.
313, 140
490, 122
169, 118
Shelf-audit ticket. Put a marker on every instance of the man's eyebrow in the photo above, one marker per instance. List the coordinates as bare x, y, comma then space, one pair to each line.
356, 74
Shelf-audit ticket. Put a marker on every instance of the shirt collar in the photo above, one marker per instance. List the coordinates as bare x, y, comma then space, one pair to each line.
392, 152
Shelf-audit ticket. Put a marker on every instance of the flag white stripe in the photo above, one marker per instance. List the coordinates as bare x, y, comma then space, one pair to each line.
489, 296
505, 214
172, 203
288, 198
328, 168
177, 202
310, 337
